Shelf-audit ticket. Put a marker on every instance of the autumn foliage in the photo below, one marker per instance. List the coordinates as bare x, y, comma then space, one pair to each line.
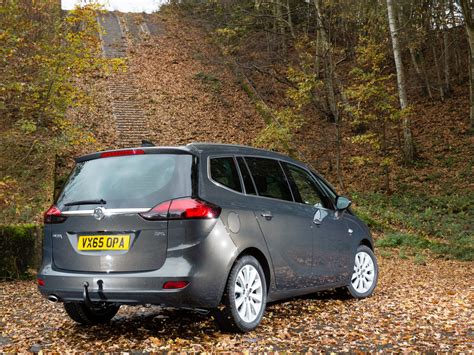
44, 53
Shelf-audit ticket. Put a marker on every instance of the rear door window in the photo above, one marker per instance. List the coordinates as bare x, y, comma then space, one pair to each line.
135, 181
224, 172
269, 178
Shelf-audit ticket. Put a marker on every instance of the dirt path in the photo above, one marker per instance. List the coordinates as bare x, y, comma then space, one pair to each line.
415, 308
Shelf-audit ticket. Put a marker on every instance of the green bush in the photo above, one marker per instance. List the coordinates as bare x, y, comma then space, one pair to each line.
20, 249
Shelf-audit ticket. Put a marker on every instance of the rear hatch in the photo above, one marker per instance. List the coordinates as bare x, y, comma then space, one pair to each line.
99, 227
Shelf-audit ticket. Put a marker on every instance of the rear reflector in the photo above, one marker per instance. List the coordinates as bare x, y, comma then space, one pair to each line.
53, 215
119, 153
40, 282
174, 285
184, 208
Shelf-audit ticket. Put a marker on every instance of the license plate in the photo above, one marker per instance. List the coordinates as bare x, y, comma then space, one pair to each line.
103, 242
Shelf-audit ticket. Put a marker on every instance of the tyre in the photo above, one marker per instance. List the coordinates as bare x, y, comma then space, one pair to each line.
80, 313
245, 297
365, 275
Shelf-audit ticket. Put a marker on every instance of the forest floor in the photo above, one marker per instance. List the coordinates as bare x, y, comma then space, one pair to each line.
414, 308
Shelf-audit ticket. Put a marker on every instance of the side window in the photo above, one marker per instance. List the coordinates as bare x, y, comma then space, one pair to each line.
224, 171
269, 178
330, 194
306, 189
249, 187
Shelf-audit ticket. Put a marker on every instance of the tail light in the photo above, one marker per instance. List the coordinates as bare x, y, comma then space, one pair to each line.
53, 215
185, 208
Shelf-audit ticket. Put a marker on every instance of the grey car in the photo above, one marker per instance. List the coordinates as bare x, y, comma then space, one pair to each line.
215, 227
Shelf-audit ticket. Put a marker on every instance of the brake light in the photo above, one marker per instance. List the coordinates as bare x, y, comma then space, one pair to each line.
173, 285
185, 208
53, 215
119, 153
189, 209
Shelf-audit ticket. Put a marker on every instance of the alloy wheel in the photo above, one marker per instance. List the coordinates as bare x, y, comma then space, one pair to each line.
248, 293
364, 272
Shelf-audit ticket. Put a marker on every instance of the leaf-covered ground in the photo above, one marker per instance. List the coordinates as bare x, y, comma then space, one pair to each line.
415, 308
187, 90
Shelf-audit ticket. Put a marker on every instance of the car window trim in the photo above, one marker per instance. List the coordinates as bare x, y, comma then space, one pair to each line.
250, 174
293, 185
109, 211
287, 180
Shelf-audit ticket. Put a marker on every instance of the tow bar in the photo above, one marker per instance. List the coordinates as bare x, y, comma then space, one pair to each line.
85, 296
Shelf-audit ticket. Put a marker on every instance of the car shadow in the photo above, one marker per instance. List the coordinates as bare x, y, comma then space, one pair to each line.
320, 296
139, 323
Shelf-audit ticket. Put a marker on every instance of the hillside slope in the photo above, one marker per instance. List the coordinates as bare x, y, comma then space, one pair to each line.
188, 91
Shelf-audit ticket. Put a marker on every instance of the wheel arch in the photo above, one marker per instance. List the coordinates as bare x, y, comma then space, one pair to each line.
367, 243
262, 259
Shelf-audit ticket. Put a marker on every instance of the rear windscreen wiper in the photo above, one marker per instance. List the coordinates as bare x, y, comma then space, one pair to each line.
86, 202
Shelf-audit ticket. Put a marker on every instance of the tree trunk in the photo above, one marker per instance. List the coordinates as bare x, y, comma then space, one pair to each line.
447, 79
470, 34
422, 76
290, 21
467, 9
317, 53
438, 75
408, 146
280, 24
328, 61
456, 50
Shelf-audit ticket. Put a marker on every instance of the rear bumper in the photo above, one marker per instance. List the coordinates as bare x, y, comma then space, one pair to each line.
204, 265
126, 290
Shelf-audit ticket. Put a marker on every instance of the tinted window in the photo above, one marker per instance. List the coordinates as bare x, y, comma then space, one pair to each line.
306, 189
269, 178
129, 181
224, 172
249, 187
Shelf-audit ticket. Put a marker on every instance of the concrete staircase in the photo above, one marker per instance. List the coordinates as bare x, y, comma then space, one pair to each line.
120, 33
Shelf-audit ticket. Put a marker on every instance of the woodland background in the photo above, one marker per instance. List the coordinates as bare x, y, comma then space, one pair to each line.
373, 94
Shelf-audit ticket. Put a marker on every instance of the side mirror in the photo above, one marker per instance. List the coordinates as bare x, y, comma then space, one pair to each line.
342, 203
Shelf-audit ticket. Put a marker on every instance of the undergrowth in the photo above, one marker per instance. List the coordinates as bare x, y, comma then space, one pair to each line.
442, 224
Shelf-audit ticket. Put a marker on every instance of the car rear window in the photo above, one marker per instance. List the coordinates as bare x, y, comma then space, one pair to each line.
135, 181
269, 178
224, 172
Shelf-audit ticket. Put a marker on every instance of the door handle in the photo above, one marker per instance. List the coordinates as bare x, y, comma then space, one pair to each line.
267, 215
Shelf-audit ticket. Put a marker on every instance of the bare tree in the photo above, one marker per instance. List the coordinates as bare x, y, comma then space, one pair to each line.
408, 146
328, 63
467, 10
